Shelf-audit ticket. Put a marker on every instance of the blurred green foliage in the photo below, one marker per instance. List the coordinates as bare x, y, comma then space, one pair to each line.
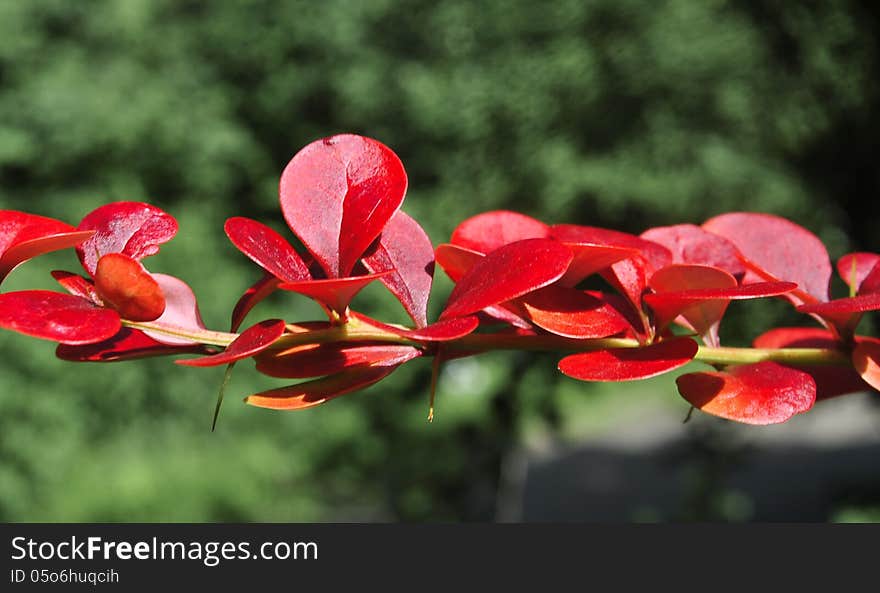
620, 113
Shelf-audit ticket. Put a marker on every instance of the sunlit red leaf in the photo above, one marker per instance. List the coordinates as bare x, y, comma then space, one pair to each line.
266, 248
124, 284
590, 259
253, 295
56, 316
313, 393
442, 331
508, 272
856, 304
252, 341
77, 286
405, 250
337, 194
134, 229
127, 344
855, 268
779, 247
866, 359
181, 311
690, 244
629, 364
455, 260
24, 236
488, 231
572, 313
761, 393
335, 293
316, 360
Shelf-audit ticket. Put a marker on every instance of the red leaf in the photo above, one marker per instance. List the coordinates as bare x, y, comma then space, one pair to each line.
124, 284
134, 229
866, 359
857, 304
779, 247
488, 231
181, 311
455, 260
442, 331
56, 316
78, 286
316, 360
128, 344
252, 341
337, 194
253, 295
690, 244
24, 236
313, 393
855, 268
590, 259
831, 380
508, 272
572, 313
628, 364
335, 293
266, 248
762, 393
406, 251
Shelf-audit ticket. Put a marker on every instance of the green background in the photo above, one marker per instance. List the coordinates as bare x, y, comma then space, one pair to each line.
625, 114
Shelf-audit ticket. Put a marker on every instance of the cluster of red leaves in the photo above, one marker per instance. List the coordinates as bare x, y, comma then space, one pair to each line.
516, 278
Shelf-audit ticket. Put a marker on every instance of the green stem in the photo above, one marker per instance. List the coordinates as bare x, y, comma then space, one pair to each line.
204, 336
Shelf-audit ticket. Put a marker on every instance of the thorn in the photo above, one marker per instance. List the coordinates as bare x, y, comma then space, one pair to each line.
226, 377
435, 373
689, 414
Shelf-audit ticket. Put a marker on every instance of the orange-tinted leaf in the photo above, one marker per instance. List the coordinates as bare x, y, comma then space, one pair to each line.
572, 313
267, 249
337, 194
488, 231
455, 260
124, 284
508, 272
313, 393
316, 360
629, 364
866, 359
762, 393
57, 317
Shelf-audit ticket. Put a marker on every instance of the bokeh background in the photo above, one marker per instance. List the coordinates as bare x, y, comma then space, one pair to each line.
618, 113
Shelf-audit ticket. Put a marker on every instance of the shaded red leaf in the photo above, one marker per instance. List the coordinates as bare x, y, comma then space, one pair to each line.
134, 229
628, 364
783, 249
572, 313
313, 393
56, 316
124, 284
855, 268
181, 311
442, 331
335, 293
127, 344
77, 286
590, 259
508, 272
24, 236
252, 341
866, 359
337, 194
488, 231
266, 248
253, 295
405, 250
316, 360
856, 304
761, 393
690, 244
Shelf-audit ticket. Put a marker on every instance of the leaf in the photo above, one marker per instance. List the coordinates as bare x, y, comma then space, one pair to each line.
266, 248
455, 260
761, 393
780, 248
253, 295
405, 251
57, 317
181, 311
690, 244
856, 304
442, 331
312, 393
252, 341
866, 359
335, 293
629, 364
591, 259
124, 284
77, 286
572, 313
127, 344
508, 272
855, 268
315, 360
134, 229
24, 236
337, 194
488, 231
